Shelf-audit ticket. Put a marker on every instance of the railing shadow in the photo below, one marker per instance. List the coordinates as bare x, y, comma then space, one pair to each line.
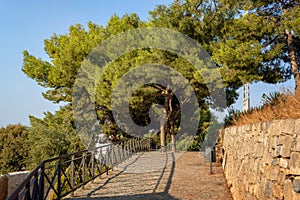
133, 197
113, 177
154, 195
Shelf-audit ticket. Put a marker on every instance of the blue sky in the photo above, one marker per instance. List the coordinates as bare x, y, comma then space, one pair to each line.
26, 24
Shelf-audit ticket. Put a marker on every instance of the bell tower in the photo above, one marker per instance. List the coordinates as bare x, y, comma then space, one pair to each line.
246, 97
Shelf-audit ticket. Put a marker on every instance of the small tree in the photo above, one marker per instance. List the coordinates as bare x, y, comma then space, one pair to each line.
52, 136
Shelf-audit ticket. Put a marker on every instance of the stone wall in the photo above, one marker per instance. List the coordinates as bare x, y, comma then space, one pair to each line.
262, 161
9, 182
3, 187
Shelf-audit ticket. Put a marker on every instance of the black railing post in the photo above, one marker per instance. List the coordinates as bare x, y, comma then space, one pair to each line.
83, 168
59, 179
133, 146
210, 161
101, 161
107, 160
140, 144
122, 153
27, 194
35, 189
127, 149
112, 157
72, 174
42, 182
93, 166
116, 154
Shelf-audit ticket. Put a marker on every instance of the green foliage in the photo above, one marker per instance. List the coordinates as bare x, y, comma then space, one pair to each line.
203, 21
52, 136
144, 97
13, 148
231, 115
271, 98
67, 53
206, 120
254, 44
246, 39
184, 142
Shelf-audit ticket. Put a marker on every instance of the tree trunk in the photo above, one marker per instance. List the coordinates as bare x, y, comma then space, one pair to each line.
164, 120
292, 54
173, 137
163, 132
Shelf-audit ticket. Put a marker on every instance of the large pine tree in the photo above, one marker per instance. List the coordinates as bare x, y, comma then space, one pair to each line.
262, 41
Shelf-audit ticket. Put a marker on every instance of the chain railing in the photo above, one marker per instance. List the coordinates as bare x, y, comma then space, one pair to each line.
58, 177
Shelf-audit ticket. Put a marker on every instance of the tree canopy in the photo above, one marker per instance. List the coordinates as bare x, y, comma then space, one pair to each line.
66, 58
261, 43
248, 40
67, 52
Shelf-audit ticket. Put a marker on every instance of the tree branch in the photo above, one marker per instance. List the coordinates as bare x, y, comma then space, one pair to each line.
270, 42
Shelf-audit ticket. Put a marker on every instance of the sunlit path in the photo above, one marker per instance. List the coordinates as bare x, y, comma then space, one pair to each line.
156, 175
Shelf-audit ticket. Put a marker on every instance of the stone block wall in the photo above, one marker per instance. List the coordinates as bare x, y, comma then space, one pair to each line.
10, 181
3, 187
262, 161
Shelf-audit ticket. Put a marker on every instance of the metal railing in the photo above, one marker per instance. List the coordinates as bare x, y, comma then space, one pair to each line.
58, 177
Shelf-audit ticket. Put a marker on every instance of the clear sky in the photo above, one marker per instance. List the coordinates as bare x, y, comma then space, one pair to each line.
26, 24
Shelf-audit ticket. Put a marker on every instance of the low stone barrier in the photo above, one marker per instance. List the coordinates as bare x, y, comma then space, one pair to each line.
9, 182
3, 187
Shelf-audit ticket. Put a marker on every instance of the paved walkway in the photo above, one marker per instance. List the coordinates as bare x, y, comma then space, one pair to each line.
156, 175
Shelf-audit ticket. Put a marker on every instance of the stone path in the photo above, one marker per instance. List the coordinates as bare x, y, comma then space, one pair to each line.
156, 175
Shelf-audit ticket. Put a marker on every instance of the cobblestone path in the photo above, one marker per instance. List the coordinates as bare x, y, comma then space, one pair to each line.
156, 175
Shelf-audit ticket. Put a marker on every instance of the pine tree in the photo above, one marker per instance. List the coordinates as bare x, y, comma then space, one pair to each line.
261, 43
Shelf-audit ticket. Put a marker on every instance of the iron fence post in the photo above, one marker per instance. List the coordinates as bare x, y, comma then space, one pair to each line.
59, 179
42, 183
72, 174
210, 160
27, 195
101, 161
83, 168
93, 166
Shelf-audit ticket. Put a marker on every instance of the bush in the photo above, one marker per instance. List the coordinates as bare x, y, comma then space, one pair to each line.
13, 148
276, 106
